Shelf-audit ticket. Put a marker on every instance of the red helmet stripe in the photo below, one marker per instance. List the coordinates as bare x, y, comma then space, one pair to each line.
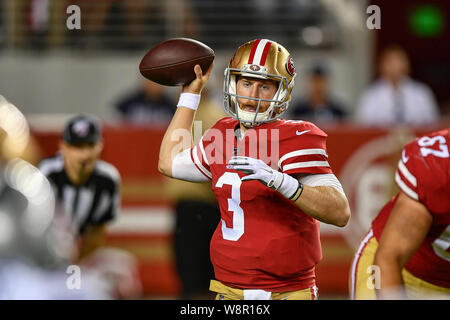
265, 52
252, 52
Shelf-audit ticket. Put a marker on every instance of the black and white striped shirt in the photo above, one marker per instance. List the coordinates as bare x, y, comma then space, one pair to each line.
95, 202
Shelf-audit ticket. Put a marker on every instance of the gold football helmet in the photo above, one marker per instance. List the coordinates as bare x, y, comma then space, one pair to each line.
263, 59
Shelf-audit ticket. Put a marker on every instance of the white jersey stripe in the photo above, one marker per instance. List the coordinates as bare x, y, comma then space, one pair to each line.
199, 164
101, 207
68, 198
259, 51
306, 164
85, 201
405, 188
108, 169
405, 172
50, 165
315, 293
303, 152
203, 151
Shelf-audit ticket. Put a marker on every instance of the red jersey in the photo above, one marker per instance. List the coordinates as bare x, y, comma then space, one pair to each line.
424, 174
264, 240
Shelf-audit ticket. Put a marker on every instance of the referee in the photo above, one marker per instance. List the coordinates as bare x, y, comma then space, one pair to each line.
87, 189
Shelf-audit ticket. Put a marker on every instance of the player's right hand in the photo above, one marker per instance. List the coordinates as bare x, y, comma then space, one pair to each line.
197, 85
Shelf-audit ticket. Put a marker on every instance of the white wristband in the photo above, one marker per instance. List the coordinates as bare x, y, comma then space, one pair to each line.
189, 100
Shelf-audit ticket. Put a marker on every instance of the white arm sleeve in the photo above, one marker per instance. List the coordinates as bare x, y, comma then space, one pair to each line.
316, 180
183, 168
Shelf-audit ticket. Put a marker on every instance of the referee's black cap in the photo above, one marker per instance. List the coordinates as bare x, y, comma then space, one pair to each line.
82, 129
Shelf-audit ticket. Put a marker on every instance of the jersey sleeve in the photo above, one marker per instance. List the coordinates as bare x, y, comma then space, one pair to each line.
200, 159
303, 150
422, 170
184, 168
406, 175
205, 152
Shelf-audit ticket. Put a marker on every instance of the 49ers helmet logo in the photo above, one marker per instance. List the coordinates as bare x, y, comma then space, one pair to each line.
290, 66
255, 67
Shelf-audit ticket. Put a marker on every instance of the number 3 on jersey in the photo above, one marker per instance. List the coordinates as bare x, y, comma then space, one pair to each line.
232, 179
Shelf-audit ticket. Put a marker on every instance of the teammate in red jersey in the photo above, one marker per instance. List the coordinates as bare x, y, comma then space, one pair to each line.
271, 177
410, 238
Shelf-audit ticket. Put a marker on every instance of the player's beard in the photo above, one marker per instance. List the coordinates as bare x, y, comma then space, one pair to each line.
247, 125
251, 109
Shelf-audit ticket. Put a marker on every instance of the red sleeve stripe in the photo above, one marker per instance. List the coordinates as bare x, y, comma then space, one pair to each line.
404, 187
305, 164
302, 152
405, 172
259, 52
252, 52
198, 163
265, 53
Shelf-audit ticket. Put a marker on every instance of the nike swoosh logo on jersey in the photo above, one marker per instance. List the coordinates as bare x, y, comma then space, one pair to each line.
299, 133
404, 157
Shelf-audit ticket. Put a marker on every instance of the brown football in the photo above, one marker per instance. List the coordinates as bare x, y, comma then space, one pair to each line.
171, 62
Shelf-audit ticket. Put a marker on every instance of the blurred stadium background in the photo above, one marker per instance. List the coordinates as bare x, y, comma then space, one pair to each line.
51, 73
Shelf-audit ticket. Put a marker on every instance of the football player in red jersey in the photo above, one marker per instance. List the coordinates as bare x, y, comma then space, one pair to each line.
271, 177
408, 244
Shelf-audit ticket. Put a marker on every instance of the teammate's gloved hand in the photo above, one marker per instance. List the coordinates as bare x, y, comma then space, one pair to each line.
256, 169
